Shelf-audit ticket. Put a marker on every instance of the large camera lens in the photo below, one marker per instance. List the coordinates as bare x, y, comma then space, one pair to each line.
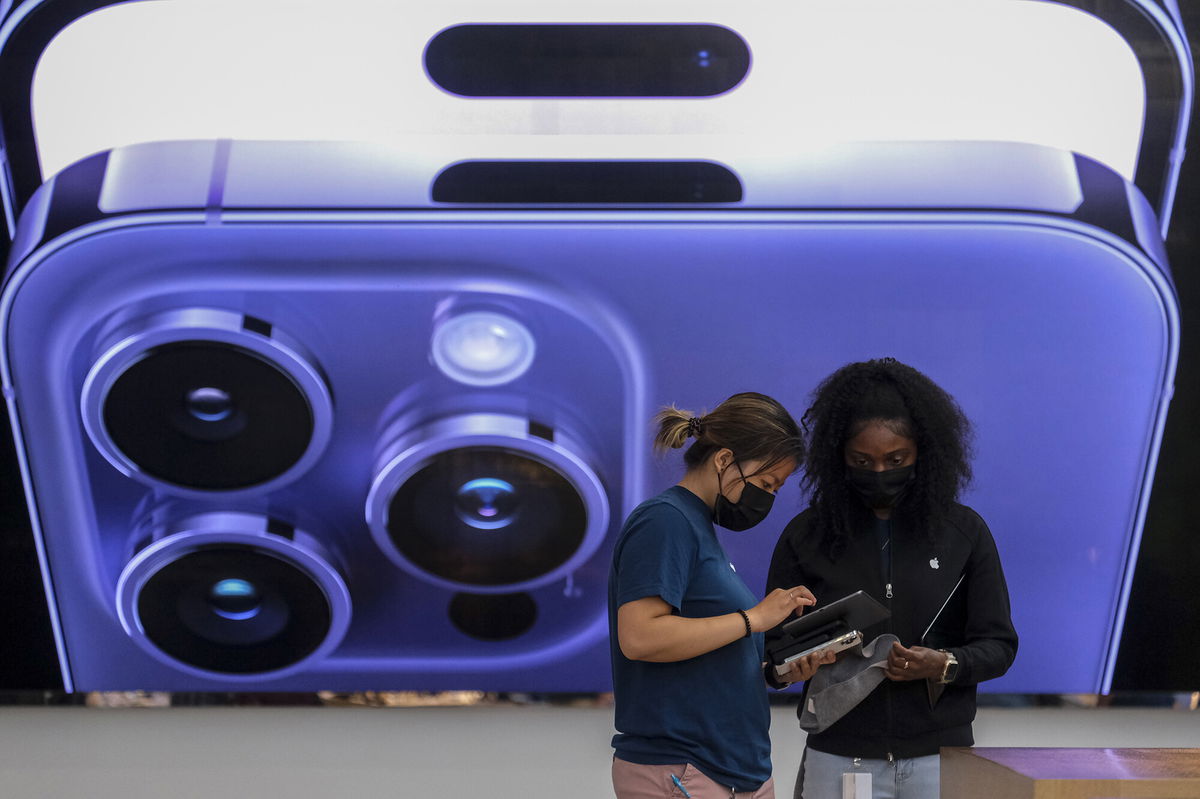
478, 502
252, 604
208, 415
487, 516
205, 402
185, 614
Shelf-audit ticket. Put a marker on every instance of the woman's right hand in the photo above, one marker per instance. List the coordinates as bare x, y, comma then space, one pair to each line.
778, 605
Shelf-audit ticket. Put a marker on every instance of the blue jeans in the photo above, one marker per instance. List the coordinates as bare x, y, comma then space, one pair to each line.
820, 776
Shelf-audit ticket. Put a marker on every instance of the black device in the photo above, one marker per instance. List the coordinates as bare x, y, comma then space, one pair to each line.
835, 626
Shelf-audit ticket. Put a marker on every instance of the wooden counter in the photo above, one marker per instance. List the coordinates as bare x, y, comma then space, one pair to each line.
1070, 773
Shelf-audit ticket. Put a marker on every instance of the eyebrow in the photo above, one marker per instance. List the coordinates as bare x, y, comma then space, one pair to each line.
902, 450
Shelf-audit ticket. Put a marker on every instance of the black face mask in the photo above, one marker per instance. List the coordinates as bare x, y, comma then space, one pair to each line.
750, 509
880, 490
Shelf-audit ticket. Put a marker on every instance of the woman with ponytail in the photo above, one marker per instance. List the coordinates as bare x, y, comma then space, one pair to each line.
687, 634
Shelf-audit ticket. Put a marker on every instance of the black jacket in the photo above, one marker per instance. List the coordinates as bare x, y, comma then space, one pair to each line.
897, 718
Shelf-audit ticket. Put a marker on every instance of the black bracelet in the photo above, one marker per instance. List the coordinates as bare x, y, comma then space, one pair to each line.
746, 618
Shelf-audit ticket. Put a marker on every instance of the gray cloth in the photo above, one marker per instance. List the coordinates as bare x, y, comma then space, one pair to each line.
836, 688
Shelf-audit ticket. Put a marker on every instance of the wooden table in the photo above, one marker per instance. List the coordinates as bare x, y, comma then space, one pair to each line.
1070, 773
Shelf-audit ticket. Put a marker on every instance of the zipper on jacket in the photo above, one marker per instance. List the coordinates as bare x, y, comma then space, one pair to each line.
887, 699
890, 550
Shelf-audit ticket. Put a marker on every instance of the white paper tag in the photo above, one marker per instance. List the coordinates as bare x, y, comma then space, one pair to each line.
856, 786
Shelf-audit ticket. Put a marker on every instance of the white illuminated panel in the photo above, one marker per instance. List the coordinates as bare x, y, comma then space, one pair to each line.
822, 71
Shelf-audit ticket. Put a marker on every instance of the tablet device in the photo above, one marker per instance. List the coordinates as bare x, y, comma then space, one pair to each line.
840, 622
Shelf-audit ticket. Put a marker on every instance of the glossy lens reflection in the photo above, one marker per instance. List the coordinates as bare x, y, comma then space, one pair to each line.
235, 599
487, 503
481, 348
209, 404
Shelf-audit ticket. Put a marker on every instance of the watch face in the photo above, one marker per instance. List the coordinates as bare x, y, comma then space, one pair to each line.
951, 670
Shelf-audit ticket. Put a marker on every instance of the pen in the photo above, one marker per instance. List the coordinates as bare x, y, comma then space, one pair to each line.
679, 785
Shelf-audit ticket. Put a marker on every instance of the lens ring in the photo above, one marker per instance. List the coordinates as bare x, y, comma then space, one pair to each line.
198, 401
428, 527
218, 596
424, 506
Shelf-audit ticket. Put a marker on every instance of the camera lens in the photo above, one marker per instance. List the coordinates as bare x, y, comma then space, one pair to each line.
208, 415
486, 516
233, 609
487, 503
209, 404
206, 400
232, 594
235, 599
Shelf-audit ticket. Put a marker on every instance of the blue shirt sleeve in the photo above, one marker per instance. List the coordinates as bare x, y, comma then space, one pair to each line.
657, 556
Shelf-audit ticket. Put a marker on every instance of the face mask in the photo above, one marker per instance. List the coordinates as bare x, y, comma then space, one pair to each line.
750, 509
880, 490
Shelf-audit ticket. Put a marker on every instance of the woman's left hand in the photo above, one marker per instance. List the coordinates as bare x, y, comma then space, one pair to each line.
916, 663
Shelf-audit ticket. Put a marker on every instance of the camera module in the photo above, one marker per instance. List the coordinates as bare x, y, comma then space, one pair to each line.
205, 400
480, 502
220, 594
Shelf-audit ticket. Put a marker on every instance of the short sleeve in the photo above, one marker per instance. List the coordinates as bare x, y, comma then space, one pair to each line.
656, 557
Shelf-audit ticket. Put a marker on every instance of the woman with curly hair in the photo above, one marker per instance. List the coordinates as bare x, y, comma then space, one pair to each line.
686, 633
888, 455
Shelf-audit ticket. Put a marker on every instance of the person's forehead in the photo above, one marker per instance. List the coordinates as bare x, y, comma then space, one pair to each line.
782, 470
878, 435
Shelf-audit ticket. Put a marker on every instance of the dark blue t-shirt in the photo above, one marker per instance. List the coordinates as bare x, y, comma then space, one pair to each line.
710, 711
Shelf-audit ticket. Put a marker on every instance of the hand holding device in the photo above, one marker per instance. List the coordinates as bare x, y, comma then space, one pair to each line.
829, 629
803, 666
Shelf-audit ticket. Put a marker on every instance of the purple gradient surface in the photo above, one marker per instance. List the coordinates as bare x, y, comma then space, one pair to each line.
1057, 337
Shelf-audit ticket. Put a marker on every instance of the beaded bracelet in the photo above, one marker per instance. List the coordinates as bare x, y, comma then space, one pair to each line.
746, 618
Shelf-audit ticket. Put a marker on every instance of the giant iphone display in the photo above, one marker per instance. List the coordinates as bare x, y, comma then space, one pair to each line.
317, 434
301, 415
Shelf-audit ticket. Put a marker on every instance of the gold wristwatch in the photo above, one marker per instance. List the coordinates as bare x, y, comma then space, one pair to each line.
950, 670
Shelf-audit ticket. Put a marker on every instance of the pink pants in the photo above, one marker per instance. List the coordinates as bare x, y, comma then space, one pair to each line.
633, 781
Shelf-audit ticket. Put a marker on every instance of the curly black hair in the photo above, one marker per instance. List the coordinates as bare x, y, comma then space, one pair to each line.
911, 405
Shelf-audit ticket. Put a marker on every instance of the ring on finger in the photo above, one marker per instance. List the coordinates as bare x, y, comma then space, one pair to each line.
905, 666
